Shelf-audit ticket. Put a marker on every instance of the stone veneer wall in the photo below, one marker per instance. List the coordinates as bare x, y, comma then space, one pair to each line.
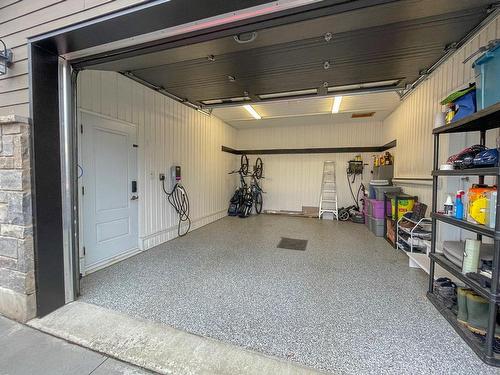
17, 281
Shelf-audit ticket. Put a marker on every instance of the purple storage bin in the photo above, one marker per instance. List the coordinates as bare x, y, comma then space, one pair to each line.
377, 208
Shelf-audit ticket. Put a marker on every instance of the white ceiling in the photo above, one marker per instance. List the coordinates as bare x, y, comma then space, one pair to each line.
317, 110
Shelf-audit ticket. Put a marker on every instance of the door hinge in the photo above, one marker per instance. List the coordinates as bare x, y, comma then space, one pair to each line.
81, 128
83, 190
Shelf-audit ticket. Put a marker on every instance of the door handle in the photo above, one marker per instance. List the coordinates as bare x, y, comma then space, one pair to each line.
134, 198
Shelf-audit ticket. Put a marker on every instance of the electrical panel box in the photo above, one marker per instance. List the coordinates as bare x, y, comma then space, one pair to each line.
175, 172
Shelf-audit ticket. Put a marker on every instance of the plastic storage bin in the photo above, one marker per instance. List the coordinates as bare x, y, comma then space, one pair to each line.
466, 106
487, 71
377, 192
376, 208
374, 183
377, 227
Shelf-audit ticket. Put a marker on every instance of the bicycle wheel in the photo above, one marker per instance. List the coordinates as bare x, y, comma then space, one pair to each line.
343, 215
258, 168
258, 202
244, 164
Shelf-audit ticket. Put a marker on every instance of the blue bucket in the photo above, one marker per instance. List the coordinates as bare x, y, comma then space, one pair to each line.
487, 70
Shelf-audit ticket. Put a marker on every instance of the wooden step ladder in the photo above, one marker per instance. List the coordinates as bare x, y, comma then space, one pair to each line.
328, 195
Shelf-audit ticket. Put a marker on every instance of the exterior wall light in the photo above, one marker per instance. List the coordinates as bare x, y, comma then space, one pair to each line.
5, 58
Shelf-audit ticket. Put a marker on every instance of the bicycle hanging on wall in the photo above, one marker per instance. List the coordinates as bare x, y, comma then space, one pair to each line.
247, 196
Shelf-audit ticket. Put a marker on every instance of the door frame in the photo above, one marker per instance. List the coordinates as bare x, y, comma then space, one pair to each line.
81, 217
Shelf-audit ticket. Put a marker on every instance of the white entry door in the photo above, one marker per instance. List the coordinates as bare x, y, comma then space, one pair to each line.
108, 185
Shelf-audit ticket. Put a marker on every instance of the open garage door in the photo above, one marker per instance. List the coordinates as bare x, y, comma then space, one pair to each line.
194, 94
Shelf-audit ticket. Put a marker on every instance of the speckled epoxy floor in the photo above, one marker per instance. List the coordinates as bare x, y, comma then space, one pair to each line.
349, 304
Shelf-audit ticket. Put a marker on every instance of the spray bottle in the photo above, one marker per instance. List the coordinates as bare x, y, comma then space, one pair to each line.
448, 206
459, 205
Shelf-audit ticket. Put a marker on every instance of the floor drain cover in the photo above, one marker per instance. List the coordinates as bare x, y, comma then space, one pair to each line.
292, 244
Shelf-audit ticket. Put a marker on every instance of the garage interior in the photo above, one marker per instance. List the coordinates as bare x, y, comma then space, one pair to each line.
331, 88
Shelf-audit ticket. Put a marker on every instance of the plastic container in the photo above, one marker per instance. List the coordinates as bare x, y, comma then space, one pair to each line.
487, 71
376, 208
365, 212
376, 183
478, 202
466, 106
459, 207
377, 192
377, 227
404, 205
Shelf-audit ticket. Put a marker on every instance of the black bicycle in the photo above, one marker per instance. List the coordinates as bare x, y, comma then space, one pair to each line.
256, 193
247, 196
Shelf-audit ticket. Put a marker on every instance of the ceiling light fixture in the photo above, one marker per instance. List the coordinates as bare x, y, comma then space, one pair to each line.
252, 111
365, 85
204, 111
336, 104
288, 94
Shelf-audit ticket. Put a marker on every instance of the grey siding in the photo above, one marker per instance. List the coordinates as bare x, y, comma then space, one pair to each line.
22, 19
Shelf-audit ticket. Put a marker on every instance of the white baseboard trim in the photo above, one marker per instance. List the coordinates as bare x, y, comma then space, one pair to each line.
157, 238
108, 262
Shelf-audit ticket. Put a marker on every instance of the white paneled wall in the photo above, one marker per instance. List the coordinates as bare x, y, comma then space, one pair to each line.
412, 121
169, 133
354, 133
293, 181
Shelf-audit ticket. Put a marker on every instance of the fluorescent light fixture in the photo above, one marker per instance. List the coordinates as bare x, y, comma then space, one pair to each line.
364, 85
288, 94
203, 112
226, 100
336, 104
212, 101
252, 111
